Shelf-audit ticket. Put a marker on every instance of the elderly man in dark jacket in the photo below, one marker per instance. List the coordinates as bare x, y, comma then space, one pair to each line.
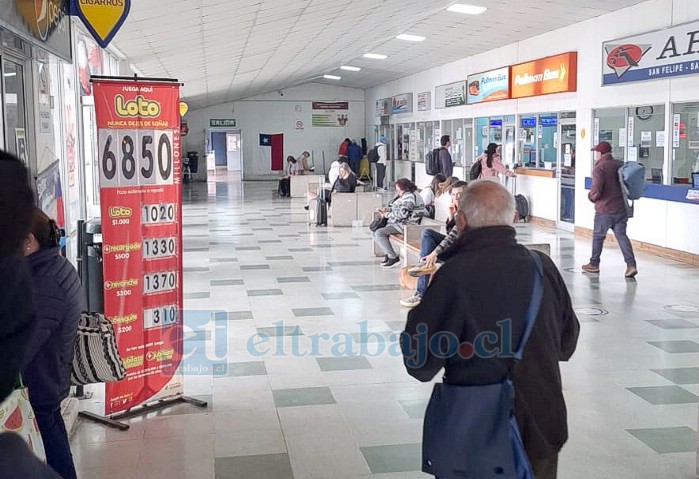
488, 280
610, 209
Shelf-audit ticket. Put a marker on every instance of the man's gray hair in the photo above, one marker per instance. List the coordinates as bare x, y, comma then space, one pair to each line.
487, 203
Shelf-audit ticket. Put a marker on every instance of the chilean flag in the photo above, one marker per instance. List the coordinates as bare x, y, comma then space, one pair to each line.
276, 156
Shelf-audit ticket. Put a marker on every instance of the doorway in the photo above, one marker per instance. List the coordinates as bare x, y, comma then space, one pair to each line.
227, 147
218, 142
15, 122
566, 173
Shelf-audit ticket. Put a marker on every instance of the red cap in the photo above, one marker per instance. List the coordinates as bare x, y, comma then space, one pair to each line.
603, 147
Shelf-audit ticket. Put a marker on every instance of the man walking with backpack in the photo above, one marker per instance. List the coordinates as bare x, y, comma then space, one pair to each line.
610, 209
379, 157
447, 165
498, 318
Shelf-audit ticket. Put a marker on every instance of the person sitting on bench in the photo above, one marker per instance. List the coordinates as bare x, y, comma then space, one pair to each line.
346, 182
292, 169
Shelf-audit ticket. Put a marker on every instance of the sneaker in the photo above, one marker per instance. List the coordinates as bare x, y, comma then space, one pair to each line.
411, 302
305, 207
631, 271
590, 268
421, 270
385, 260
390, 263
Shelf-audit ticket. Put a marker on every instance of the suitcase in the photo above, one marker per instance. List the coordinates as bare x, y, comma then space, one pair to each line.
318, 208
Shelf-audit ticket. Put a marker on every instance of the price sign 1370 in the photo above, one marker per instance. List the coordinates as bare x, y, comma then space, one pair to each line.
136, 157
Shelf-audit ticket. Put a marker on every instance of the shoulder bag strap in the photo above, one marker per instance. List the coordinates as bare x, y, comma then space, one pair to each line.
534, 304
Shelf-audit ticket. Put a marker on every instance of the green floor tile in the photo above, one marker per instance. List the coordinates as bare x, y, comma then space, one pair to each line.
303, 397
665, 395
680, 375
398, 458
343, 364
667, 440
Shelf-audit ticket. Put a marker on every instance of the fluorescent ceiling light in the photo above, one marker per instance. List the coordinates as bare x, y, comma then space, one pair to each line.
349, 68
332, 77
10, 74
467, 9
410, 38
375, 56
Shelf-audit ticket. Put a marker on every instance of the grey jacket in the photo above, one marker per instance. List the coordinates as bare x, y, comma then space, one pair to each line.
406, 209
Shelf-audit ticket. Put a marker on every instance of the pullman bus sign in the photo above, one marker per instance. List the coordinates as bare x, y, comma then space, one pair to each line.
652, 56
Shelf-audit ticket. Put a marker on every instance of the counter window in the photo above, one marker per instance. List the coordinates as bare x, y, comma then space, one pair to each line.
636, 134
685, 142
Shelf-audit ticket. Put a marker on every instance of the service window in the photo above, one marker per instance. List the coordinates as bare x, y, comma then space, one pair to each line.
685, 142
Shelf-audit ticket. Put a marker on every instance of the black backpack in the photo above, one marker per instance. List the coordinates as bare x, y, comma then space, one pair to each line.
432, 163
522, 208
373, 155
476, 170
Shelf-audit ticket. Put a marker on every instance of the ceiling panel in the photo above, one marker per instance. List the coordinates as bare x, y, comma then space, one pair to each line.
231, 49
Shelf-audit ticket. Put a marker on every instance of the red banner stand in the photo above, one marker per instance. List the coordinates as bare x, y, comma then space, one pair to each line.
138, 124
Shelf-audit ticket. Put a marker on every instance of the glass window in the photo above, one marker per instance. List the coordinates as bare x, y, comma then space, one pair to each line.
610, 126
643, 125
685, 151
15, 115
527, 141
421, 140
481, 136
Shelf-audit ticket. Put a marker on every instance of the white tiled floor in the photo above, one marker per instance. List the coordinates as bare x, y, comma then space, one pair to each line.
245, 434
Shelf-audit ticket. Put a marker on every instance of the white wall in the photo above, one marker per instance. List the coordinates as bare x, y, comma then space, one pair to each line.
660, 224
272, 113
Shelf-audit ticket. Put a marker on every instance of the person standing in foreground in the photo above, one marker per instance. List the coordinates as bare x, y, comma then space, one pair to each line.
16, 202
485, 282
49, 357
381, 164
610, 210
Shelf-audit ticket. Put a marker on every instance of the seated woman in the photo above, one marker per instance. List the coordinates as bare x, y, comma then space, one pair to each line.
346, 182
406, 208
429, 194
303, 161
443, 199
58, 301
292, 169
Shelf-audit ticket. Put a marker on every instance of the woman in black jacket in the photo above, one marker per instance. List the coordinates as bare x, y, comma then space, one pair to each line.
58, 302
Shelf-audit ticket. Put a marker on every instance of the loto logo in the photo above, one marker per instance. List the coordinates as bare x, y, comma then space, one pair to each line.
622, 58
119, 212
138, 107
42, 16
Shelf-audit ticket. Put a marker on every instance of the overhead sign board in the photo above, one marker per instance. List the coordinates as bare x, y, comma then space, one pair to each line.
424, 101
222, 123
453, 94
556, 74
44, 23
103, 19
651, 56
402, 103
383, 107
488, 86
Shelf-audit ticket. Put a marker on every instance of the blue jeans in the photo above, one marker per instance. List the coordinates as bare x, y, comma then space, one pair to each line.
55, 438
428, 243
617, 223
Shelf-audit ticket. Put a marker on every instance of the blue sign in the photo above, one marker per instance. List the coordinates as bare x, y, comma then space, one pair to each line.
495, 122
489, 86
528, 122
549, 120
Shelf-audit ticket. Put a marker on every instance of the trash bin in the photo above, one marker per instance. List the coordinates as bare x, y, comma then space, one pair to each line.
91, 266
193, 157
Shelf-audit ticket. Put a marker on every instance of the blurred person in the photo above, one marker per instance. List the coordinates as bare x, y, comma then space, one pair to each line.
447, 165
429, 194
354, 154
58, 302
382, 151
292, 169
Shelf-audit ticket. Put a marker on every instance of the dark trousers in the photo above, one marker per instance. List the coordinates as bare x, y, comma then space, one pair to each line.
284, 187
55, 438
380, 174
545, 468
354, 164
429, 241
617, 223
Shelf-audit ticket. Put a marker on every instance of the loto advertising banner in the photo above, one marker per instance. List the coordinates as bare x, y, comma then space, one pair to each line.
139, 159
651, 56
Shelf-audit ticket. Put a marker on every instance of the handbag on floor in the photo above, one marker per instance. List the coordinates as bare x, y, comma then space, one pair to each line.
97, 358
17, 417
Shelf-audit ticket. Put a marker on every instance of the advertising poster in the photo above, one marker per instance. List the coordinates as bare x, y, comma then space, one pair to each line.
383, 107
138, 130
489, 86
651, 56
90, 62
402, 104
50, 194
453, 94
556, 74
424, 101
330, 114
